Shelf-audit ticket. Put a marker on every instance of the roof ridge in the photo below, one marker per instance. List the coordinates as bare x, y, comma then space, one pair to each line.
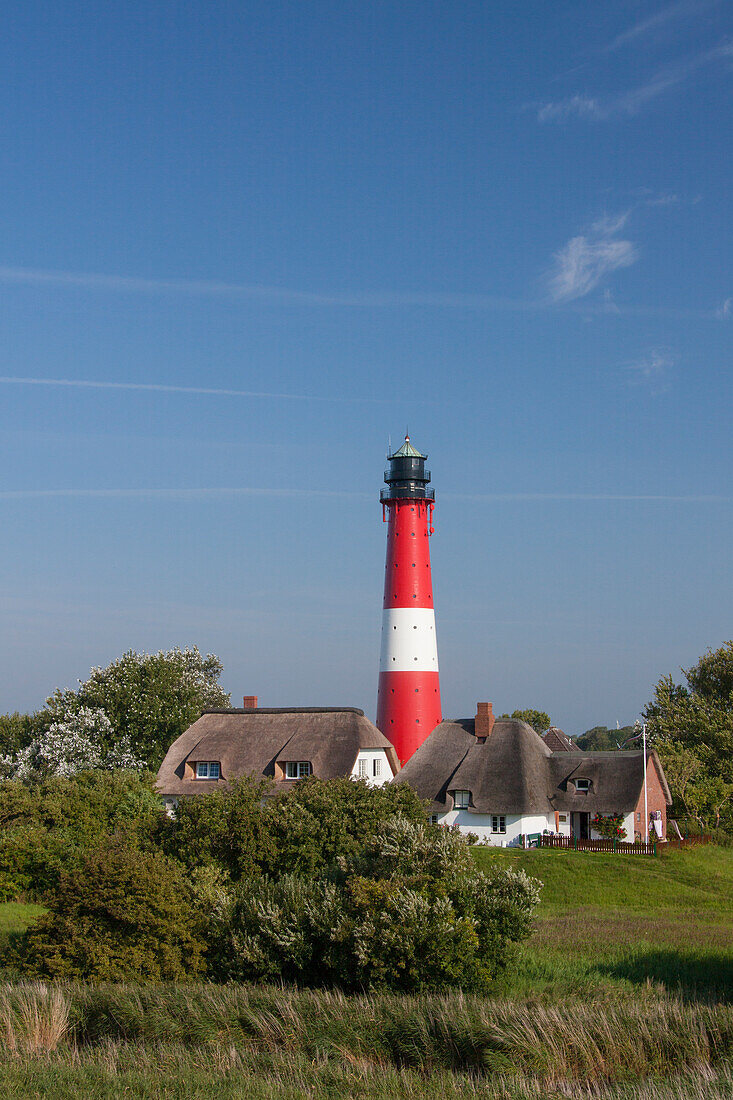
284, 710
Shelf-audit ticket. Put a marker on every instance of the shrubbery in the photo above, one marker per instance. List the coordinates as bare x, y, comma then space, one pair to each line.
406, 911
122, 913
333, 883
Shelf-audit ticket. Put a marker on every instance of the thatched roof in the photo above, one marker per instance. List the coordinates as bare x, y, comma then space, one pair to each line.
252, 741
515, 772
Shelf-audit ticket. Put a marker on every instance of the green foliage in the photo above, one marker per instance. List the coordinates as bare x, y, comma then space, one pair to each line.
150, 698
406, 911
121, 913
539, 720
603, 739
319, 820
610, 826
226, 828
692, 728
47, 828
17, 731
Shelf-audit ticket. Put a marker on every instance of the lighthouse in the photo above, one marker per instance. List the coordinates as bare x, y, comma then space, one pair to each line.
408, 700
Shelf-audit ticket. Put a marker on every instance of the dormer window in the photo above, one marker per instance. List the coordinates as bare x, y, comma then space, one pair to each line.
208, 769
461, 799
582, 784
298, 769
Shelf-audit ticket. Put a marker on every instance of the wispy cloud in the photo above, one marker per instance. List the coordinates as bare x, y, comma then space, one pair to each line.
170, 494
575, 106
587, 259
659, 20
271, 295
725, 311
150, 387
187, 494
652, 370
591, 108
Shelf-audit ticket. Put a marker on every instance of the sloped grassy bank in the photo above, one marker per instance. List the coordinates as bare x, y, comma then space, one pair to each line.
319, 1037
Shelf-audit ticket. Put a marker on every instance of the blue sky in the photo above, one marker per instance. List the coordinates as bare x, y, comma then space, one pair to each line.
243, 244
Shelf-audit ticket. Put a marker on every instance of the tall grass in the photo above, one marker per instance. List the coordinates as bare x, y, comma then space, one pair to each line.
33, 1017
582, 1042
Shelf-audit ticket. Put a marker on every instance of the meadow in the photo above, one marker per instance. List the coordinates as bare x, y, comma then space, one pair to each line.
624, 991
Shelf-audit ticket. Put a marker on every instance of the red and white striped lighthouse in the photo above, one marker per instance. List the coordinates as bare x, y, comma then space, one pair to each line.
408, 701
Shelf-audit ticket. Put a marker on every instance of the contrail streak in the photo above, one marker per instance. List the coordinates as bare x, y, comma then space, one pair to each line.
494, 498
154, 387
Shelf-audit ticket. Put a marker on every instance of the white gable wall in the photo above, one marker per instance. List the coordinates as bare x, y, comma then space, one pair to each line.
368, 756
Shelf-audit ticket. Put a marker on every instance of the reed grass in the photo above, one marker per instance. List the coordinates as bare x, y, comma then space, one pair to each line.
581, 1043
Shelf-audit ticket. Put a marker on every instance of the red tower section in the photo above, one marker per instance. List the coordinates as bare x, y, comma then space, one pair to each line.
408, 702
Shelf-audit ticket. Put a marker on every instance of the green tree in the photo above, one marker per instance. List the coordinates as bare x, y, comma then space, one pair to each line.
17, 731
122, 914
319, 820
226, 828
539, 720
48, 827
149, 698
691, 726
603, 739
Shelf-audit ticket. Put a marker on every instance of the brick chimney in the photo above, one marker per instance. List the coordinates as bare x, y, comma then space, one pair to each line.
484, 721
250, 702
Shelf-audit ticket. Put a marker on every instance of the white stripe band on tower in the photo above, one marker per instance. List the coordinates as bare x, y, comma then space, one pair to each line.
408, 640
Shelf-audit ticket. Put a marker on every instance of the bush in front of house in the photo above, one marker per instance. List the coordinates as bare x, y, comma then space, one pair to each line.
609, 826
322, 819
246, 830
406, 912
47, 827
121, 913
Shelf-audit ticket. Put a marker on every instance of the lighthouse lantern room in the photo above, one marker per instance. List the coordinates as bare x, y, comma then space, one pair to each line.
408, 701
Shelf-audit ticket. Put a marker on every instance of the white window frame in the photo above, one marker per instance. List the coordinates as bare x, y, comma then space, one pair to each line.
377, 767
298, 769
498, 823
584, 787
208, 769
363, 768
461, 800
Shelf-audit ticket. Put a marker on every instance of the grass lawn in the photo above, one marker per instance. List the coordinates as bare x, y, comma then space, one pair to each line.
15, 916
622, 921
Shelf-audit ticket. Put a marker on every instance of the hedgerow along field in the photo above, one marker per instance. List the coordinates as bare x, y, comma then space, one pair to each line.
623, 991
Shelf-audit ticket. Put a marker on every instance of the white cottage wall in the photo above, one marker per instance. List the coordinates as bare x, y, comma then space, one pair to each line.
481, 825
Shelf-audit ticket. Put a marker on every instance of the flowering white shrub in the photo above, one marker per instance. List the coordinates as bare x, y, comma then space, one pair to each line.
149, 699
72, 745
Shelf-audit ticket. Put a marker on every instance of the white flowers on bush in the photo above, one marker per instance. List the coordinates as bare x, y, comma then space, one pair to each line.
70, 746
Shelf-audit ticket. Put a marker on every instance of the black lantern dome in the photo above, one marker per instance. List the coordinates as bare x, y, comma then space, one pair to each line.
406, 476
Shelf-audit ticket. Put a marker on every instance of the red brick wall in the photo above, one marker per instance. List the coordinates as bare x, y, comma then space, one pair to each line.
655, 801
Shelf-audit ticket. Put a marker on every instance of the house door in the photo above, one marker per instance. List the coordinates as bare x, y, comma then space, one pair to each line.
580, 825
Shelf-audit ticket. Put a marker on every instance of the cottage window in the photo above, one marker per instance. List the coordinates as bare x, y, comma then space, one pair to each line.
208, 769
362, 768
582, 784
461, 799
297, 769
377, 769
498, 823
432, 819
